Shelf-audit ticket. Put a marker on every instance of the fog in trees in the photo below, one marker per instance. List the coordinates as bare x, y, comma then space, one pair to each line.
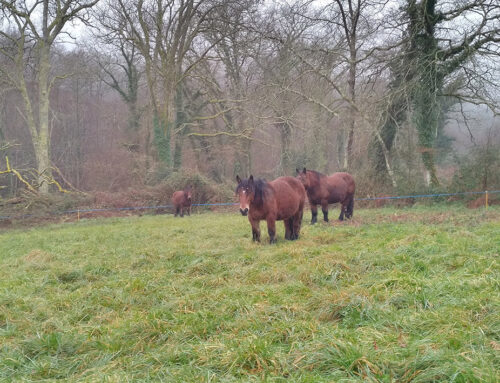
116, 95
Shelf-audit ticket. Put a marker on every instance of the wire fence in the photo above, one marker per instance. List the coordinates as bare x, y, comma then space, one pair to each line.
158, 207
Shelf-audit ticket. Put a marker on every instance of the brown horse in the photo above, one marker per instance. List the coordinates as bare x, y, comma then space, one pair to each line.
181, 200
281, 199
323, 190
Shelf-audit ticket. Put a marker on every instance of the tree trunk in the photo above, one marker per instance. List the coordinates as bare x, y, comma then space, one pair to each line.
42, 141
423, 19
426, 116
133, 87
162, 135
348, 152
285, 135
430, 168
133, 117
162, 138
180, 120
243, 157
387, 161
247, 153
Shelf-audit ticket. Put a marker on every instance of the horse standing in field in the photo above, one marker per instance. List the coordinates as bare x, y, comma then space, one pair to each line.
280, 200
323, 190
181, 200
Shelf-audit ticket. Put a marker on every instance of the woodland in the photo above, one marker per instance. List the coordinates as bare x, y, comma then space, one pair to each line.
114, 95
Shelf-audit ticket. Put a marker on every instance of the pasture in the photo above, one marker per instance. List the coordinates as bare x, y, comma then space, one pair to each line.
396, 295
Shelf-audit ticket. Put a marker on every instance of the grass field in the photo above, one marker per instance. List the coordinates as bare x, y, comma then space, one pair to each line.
408, 295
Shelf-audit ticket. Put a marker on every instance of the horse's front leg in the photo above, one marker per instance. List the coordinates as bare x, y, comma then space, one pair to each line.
255, 230
324, 209
182, 211
189, 210
314, 212
271, 229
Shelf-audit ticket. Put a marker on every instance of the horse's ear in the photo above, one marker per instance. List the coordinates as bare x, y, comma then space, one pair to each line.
250, 179
297, 170
238, 179
304, 171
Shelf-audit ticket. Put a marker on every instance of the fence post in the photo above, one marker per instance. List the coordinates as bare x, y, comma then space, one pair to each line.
486, 200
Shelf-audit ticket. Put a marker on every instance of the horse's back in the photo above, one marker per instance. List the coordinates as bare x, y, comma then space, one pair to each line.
340, 187
178, 197
290, 195
286, 184
348, 179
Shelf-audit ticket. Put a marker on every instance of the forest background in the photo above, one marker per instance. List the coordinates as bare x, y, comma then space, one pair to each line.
142, 96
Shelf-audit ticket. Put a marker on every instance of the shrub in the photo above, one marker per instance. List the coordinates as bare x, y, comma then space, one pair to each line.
478, 170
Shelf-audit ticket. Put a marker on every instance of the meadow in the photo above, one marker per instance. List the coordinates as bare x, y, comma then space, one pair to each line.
395, 295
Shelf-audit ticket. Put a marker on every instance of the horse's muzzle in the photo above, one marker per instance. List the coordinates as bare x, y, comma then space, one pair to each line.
244, 212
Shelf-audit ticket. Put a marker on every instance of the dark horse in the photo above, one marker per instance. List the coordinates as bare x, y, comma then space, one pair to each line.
181, 200
281, 199
323, 190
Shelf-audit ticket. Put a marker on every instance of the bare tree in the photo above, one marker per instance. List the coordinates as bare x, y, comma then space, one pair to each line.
235, 44
282, 74
338, 48
36, 27
119, 61
164, 32
358, 28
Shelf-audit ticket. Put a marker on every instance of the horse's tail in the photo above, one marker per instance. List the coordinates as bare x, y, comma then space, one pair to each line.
350, 207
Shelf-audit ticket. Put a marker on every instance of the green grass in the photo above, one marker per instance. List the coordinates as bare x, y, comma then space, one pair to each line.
394, 296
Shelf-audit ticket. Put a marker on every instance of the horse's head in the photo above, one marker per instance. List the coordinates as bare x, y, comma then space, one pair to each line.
245, 191
188, 193
303, 177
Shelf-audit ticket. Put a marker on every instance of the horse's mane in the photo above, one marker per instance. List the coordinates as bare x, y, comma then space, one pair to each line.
317, 175
260, 187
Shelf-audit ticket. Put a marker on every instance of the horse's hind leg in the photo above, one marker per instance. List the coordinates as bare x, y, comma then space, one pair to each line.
176, 211
324, 209
288, 228
350, 208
